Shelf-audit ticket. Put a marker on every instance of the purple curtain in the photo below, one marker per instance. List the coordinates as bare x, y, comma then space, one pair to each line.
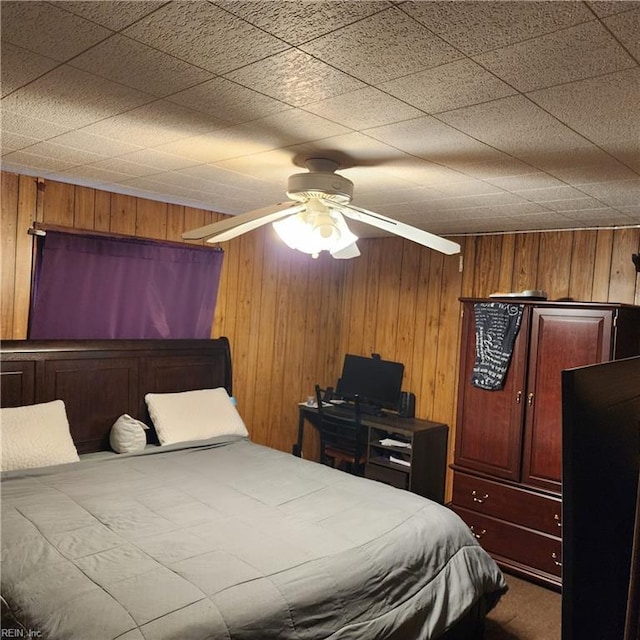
98, 287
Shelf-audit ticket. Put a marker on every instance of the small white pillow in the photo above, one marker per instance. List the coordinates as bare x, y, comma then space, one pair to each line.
36, 435
128, 435
194, 415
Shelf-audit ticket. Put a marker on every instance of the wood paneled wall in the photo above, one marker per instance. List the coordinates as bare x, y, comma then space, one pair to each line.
290, 318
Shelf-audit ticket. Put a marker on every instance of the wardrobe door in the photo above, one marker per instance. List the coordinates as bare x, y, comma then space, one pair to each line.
489, 428
561, 338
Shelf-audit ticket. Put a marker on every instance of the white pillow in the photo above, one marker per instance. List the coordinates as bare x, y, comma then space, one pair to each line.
194, 415
128, 435
36, 435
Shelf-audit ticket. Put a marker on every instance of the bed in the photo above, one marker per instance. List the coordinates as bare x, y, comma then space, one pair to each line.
212, 537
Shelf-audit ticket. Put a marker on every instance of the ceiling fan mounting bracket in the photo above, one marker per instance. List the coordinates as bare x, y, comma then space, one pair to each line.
320, 182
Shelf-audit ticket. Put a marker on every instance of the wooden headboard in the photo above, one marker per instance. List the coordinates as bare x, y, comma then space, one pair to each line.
99, 380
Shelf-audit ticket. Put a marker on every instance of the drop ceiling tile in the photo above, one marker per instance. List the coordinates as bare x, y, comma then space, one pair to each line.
217, 145
106, 14
435, 141
408, 197
51, 149
217, 176
382, 47
581, 172
135, 65
124, 166
595, 217
205, 35
158, 159
105, 177
583, 51
549, 194
85, 141
624, 27
494, 123
296, 78
632, 212
449, 86
290, 127
609, 7
542, 221
494, 170
625, 193
577, 204
468, 188
19, 67
154, 124
273, 167
22, 124
605, 110
487, 200
298, 22
363, 109
48, 30
535, 181
72, 98
474, 27
228, 101
13, 142
34, 161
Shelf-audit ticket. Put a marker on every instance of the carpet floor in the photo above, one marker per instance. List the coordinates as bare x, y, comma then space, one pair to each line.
526, 612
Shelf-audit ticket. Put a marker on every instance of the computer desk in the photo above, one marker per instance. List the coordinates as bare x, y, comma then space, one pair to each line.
425, 465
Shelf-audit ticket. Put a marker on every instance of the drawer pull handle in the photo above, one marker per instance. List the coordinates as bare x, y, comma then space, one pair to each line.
556, 517
554, 556
479, 534
477, 498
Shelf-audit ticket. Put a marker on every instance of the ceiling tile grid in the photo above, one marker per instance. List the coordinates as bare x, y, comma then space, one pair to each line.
454, 116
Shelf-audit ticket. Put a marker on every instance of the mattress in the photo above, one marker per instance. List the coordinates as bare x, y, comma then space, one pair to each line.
231, 540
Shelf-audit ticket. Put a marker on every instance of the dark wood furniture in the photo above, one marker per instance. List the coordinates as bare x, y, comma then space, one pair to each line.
342, 436
99, 380
508, 453
427, 457
600, 465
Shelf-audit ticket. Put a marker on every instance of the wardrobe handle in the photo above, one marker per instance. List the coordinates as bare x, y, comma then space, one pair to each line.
519, 397
479, 534
530, 398
554, 556
557, 520
481, 499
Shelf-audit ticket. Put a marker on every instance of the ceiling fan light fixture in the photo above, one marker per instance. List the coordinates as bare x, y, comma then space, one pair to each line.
314, 230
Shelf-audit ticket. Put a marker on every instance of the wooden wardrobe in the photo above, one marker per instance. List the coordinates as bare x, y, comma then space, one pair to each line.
508, 452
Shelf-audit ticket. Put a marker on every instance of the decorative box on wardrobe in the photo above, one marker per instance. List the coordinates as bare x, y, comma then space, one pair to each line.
508, 451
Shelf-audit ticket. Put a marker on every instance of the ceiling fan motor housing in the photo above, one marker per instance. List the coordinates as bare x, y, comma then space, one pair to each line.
320, 184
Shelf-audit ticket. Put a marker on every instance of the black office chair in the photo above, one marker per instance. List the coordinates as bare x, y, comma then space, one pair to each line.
343, 439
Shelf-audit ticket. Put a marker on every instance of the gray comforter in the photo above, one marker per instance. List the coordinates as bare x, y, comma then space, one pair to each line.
231, 542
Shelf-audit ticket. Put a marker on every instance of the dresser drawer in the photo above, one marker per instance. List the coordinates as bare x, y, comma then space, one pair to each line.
510, 542
516, 505
388, 476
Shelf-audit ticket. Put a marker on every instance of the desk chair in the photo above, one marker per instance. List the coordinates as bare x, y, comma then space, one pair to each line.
342, 436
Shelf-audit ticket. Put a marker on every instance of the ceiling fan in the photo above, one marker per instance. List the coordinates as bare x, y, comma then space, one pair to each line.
313, 220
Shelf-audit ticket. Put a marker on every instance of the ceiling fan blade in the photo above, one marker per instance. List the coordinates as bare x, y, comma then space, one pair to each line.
237, 225
348, 252
400, 229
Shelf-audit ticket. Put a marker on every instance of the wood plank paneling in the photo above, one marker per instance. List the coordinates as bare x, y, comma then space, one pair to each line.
290, 319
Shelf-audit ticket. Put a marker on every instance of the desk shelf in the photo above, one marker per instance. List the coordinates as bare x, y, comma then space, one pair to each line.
426, 456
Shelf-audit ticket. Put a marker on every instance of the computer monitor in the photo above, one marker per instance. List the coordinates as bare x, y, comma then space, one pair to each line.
376, 382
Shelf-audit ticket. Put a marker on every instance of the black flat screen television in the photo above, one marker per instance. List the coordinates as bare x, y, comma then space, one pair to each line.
377, 383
